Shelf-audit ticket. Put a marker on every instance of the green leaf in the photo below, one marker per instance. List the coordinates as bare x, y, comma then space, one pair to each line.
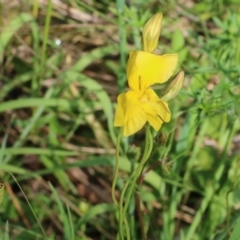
94, 211
178, 41
236, 232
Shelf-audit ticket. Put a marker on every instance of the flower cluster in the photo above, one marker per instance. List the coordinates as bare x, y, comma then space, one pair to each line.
140, 104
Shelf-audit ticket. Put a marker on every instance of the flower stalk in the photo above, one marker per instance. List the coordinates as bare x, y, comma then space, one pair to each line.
141, 106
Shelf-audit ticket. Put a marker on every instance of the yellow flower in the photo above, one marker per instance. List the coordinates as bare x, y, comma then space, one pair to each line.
134, 110
141, 104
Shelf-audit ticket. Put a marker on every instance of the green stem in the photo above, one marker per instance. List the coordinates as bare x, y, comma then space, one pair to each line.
121, 216
132, 179
45, 38
116, 169
35, 8
131, 208
147, 152
115, 175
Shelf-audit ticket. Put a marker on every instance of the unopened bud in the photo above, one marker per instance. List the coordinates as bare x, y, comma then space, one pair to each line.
161, 138
171, 90
151, 32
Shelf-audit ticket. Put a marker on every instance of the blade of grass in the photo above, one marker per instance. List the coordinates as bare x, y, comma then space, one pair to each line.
97, 89
32, 121
45, 40
30, 206
70, 222
6, 233
122, 45
63, 215
8, 31
63, 104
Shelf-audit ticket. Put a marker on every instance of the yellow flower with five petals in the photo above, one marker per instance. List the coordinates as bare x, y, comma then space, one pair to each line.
141, 104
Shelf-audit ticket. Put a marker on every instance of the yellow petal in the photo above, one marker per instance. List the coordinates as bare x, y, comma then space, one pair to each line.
135, 122
119, 119
154, 106
156, 123
129, 113
152, 96
163, 111
135, 115
158, 109
145, 69
132, 69
151, 32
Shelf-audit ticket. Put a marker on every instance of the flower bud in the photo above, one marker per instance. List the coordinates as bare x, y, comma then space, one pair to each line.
161, 139
171, 89
151, 32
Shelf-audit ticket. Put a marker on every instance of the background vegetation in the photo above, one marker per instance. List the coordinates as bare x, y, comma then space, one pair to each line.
62, 67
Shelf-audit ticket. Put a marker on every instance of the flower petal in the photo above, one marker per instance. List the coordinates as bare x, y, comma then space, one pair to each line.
156, 123
144, 69
119, 119
163, 111
129, 113
152, 96
135, 115
135, 122
155, 106
157, 110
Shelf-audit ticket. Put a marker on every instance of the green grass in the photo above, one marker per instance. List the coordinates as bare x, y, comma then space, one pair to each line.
57, 106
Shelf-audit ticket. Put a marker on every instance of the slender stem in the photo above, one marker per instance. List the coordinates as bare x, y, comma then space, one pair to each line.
131, 208
35, 8
45, 38
116, 169
121, 215
115, 175
138, 200
148, 149
133, 179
